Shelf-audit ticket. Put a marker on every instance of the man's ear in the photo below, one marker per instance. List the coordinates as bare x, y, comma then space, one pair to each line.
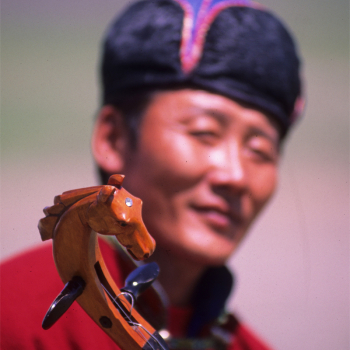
110, 140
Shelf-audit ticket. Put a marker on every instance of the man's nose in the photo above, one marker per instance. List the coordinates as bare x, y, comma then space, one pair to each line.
229, 169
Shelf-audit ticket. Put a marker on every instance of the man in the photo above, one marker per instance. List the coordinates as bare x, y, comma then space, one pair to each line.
197, 99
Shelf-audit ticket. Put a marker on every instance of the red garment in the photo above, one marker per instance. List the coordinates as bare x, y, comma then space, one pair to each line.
29, 284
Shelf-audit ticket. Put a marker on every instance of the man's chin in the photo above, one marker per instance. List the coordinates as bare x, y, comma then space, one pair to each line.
212, 256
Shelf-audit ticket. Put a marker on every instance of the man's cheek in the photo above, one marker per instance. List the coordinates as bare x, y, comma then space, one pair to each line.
181, 159
264, 189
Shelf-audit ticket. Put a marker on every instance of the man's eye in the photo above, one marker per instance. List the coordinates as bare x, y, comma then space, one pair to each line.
263, 150
264, 155
206, 136
203, 133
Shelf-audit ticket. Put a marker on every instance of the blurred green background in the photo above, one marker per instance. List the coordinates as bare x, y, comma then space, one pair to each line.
293, 270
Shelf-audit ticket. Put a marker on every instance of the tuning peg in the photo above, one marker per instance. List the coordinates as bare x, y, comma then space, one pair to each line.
140, 279
64, 300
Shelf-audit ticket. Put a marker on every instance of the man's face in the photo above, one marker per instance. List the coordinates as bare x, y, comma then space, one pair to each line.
204, 167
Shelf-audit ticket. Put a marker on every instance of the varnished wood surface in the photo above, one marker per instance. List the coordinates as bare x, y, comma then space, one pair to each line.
72, 223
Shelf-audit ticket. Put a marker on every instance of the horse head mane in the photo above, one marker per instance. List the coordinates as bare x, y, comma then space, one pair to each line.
61, 204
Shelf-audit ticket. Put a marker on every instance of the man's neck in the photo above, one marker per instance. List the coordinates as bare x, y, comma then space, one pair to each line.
177, 276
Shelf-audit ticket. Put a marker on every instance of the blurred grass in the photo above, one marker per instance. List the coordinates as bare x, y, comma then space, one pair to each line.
320, 26
50, 93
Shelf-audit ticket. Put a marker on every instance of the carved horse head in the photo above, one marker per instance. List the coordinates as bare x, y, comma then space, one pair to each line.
108, 210
72, 222
121, 213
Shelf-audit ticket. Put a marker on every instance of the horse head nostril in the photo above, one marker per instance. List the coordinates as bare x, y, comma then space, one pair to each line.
146, 256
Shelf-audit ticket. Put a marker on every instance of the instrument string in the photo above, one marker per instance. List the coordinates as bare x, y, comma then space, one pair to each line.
131, 297
135, 326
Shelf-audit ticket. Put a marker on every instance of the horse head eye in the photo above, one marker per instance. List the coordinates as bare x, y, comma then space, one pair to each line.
128, 202
123, 224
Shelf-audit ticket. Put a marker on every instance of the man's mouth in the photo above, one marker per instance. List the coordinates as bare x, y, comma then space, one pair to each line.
216, 217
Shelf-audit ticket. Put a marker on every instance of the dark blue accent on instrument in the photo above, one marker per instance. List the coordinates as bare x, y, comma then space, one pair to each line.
65, 299
140, 279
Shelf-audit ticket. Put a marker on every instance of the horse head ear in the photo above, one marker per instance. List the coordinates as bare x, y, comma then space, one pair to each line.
116, 180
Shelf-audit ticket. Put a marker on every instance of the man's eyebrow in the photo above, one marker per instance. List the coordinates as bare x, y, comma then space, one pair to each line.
219, 116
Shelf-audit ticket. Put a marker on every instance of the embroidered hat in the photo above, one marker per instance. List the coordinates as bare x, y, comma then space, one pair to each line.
231, 47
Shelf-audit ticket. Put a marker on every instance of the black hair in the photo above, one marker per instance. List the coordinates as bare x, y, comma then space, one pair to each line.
132, 106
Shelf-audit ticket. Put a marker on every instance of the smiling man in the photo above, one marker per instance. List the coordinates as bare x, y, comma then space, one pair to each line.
197, 98
204, 166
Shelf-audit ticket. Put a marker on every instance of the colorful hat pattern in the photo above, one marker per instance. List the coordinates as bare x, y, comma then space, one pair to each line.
235, 48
